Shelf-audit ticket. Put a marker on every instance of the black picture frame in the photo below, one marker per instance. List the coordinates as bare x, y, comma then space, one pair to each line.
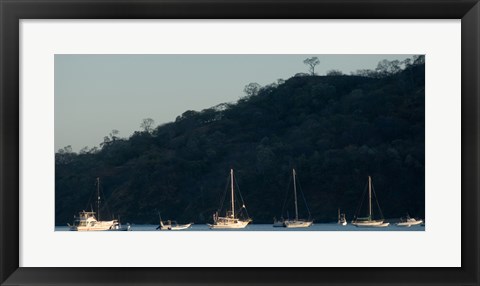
11, 11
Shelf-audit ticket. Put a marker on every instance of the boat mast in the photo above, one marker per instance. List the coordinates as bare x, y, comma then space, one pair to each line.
369, 198
98, 198
295, 194
233, 197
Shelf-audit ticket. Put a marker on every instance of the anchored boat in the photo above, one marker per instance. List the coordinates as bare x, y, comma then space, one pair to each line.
297, 223
86, 221
232, 219
342, 218
408, 221
173, 225
369, 221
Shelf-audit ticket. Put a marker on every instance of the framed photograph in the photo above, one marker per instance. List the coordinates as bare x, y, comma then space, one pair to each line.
184, 142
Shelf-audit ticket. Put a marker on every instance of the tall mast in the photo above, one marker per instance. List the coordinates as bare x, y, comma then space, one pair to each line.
98, 198
295, 194
233, 196
369, 198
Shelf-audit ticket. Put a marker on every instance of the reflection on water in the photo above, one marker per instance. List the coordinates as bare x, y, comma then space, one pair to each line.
269, 227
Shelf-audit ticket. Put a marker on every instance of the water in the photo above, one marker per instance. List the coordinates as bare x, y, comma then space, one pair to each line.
269, 227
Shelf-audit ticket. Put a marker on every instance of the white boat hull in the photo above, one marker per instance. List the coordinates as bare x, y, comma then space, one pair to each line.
410, 223
297, 224
230, 225
177, 227
96, 226
180, 227
82, 228
385, 224
369, 223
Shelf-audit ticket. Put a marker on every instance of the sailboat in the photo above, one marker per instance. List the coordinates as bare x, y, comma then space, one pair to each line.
86, 221
342, 220
297, 223
369, 221
231, 220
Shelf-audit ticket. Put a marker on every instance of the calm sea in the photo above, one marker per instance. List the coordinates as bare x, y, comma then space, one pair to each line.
269, 227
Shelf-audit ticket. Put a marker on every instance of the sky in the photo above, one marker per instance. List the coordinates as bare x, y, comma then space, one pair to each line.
95, 94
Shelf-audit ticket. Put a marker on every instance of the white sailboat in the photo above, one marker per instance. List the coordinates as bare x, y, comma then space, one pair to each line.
369, 221
231, 220
86, 221
342, 220
297, 223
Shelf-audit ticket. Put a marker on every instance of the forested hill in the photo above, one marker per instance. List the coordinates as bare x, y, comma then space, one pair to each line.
334, 130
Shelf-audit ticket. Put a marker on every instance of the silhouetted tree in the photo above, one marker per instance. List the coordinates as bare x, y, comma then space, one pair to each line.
84, 150
64, 155
252, 89
66, 150
311, 63
113, 134
386, 67
147, 125
334, 73
419, 59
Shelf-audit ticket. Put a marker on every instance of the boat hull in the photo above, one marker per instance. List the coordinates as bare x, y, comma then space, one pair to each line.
88, 228
180, 227
97, 226
410, 223
229, 225
177, 227
372, 223
385, 224
297, 224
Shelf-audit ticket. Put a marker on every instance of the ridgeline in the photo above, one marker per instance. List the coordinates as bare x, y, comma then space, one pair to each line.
335, 130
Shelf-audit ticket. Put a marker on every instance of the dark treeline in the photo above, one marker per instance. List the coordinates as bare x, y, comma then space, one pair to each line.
335, 130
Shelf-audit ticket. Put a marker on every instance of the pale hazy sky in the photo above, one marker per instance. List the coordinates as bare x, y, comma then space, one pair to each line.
97, 93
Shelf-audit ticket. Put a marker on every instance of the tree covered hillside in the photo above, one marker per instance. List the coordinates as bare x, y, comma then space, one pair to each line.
335, 130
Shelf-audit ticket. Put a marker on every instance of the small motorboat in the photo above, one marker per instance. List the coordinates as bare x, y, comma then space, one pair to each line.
172, 225
408, 221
